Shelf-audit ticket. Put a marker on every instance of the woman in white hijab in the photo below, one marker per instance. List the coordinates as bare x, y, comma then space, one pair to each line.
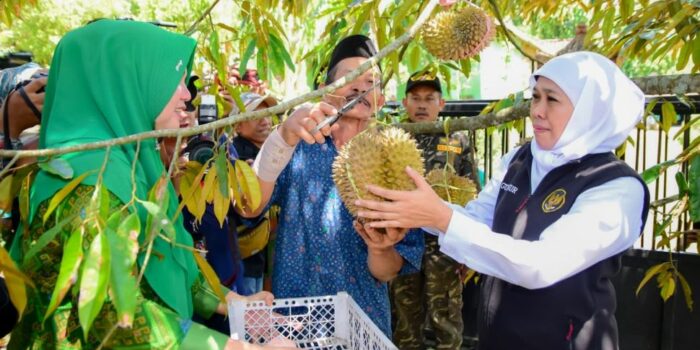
549, 228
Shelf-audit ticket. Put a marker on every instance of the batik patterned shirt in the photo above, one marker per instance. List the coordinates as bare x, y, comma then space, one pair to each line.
318, 252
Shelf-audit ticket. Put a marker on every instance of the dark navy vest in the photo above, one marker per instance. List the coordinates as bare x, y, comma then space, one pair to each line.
513, 317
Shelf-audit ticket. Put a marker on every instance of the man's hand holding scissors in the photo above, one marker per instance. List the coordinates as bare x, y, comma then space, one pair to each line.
300, 124
313, 124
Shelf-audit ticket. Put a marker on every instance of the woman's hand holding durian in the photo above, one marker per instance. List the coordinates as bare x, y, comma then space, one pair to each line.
406, 209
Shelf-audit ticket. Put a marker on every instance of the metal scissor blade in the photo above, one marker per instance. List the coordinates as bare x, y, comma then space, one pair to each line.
346, 108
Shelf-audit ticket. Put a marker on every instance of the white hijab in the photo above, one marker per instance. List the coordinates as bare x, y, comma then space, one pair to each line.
607, 106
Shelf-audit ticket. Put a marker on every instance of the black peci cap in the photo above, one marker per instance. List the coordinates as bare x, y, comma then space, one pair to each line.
356, 45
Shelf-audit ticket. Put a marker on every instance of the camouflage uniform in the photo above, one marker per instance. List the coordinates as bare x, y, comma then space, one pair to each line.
437, 289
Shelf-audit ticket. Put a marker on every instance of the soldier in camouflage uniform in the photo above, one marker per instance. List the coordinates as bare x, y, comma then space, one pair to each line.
437, 289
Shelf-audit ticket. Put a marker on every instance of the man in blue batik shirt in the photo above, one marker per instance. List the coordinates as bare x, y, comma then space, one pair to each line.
320, 250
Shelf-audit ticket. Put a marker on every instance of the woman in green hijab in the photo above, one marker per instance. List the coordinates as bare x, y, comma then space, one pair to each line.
110, 79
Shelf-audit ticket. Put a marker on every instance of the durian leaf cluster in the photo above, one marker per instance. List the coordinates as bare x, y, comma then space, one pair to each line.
98, 262
286, 39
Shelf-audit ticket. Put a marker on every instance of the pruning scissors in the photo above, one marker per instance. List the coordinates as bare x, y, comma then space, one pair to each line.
346, 108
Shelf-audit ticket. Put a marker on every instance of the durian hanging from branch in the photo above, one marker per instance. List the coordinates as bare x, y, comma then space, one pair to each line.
451, 187
458, 34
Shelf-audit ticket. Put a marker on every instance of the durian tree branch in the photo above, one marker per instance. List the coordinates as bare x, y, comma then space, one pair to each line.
280, 108
682, 84
199, 20
658, 85
497, 12
484, 121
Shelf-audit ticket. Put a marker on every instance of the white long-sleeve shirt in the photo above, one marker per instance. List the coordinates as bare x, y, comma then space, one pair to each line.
603, 221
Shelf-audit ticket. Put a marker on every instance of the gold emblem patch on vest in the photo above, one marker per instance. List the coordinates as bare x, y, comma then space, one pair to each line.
554, 201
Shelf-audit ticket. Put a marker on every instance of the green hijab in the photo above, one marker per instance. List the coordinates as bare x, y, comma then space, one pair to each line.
110, 79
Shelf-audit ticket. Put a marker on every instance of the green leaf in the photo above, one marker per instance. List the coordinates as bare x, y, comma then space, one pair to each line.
682, 184
46, 238
227, 27
650, 106
651, 272
696, 51
668, 116
651, 174
190, 188
248, 182
446, 75
124, 243
275, 61
14, 280
209, 276
100, 202
157, 221
282, 51
608, 24
94, 280
261, 62
221, 206
235, 188
24, 199
465, 67
694, 188
60, 195
68, 272
246, 57
626, 8
214, 47
6, 197
685, 127
668, 287
221, 197
221, 168
58, 166
687, 292
208, 188
159, 193
684, 56
413, 57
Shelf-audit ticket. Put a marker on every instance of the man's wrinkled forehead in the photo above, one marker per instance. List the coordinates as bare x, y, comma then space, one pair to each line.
349, 64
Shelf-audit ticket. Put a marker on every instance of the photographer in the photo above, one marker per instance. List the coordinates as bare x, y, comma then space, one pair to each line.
253, 234
21, 102
219, 241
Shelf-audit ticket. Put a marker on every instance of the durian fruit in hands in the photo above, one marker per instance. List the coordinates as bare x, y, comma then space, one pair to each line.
377, 156
452, 187
458, 34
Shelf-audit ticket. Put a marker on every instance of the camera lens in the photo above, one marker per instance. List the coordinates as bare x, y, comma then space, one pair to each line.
202, 154
200, 149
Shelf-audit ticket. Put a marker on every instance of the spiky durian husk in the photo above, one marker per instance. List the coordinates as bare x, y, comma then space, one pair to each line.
376, 157
452, 187
454, 35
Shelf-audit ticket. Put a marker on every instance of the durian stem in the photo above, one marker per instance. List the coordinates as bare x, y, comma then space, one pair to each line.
446, 184
352, 181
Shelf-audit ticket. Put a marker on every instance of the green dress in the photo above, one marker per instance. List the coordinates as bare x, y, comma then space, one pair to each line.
155, 325
110, 79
